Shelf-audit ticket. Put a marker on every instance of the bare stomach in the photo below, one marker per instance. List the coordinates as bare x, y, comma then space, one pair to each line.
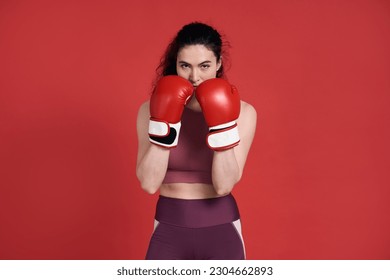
188, 191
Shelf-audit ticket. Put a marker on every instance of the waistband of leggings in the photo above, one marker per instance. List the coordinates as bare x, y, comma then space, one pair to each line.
197, 213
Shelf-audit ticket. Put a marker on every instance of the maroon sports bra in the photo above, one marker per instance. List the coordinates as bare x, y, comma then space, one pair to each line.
191, 160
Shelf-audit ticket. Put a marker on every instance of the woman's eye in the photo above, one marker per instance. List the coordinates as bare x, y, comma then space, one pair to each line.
184, 66
206, 66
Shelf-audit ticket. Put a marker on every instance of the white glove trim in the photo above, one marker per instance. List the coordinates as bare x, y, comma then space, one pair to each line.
224, 139
158, 128
164, 134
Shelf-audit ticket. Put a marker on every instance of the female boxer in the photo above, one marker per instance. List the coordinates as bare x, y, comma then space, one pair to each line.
194, 137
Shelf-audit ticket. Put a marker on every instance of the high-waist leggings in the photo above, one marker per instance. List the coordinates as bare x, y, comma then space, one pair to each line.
196, 229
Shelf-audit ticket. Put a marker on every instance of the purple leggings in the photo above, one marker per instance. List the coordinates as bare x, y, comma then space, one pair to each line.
196, 229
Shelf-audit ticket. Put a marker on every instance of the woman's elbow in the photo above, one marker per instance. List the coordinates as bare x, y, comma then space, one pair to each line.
148, 189
222, 192
146, 185
224, 188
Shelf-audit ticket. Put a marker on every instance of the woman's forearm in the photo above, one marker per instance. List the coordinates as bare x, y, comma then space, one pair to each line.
152, 168
225, 171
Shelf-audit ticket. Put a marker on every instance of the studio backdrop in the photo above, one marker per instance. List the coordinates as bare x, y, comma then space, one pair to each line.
73, 74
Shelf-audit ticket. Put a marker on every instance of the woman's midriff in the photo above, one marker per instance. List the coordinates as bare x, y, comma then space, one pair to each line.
188, 191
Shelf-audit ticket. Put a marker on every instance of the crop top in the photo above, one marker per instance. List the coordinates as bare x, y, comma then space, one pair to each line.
191, 160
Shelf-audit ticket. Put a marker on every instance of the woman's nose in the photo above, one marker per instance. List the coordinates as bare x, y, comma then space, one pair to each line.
194, 76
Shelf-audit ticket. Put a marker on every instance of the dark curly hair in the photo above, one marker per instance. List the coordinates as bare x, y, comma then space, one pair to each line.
195, 33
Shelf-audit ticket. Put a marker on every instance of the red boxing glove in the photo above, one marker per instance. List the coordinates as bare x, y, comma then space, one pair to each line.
166, 107
220, 104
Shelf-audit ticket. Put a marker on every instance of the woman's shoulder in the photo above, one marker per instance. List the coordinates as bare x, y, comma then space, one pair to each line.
143, 110
248, 110
144, 107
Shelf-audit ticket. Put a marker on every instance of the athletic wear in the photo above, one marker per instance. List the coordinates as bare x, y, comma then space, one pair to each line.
191, 160
195, 229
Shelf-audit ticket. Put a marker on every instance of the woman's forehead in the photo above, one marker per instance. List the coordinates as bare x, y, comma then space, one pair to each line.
195, 54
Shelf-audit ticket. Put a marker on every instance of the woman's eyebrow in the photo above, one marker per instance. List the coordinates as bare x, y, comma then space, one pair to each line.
203, 62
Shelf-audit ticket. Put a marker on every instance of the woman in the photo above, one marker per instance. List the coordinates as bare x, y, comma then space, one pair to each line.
194, 137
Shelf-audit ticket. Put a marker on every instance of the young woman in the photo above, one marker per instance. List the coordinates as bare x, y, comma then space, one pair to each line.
194, 137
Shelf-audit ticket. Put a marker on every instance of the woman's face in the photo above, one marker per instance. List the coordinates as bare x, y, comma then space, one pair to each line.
197, 64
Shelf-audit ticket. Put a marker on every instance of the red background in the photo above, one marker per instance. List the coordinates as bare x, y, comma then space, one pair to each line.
73, 74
